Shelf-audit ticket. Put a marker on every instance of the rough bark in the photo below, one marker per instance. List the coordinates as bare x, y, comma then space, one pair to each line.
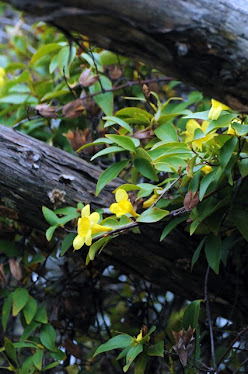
201, 42
33, 174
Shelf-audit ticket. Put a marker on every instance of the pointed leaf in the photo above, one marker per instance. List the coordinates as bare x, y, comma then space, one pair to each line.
6, 310
213, 252
119, 341
37, 359
44, 50
156, 349
50, 216
47, 337
104, 100
20, 298
109, 174
131, 355
30, 309
123, 141
152, 215
146, 168
191, 315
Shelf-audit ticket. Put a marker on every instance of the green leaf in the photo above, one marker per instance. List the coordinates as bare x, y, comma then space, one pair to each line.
30, 309
27, 366
223, 121
168, 228
58, 355
50, 232
104, 100
123, 141
106, 151
191, 315
9, 248
119, 341
112, 120
93, 59
109, 174
6, 310
198, 115
96, 246
240, 129
20, 298
66, 211
53, 64
10, 349
41, 315
239, 217
146, 168
37, 359
135, 112
152, 215
144, 339
65, 57
140, 364
213, 252
197, 253
131, 355
54, 94
29, 329
243, 167
51, 366
50, 216
44, 50
167, 133
67, 243
124, 352
227, 151
205, 183
156, 349
19, 99
47, 337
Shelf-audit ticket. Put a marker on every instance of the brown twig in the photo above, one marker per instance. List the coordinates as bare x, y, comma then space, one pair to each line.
231, 345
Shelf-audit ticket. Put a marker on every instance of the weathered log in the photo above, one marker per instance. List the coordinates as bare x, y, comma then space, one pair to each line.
201, 42
35, 174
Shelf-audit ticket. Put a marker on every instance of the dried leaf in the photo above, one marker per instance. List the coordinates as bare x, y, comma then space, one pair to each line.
73, 109
15, 269
191, 200
115, 72
87, 80
47, 111
2, 274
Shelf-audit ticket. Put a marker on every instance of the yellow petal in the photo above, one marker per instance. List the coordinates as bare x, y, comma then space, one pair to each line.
98, 228
206, 169
204, 125
231, 131
121, 195
78, 242
83, 226
216, 109
86, 211
94, 217
191, 126
148, 203
88, 239
115, 208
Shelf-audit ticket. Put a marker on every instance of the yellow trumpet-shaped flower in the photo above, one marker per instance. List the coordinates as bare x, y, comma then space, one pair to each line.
88, 226
2, 75
122, 205
206, 169
149, 202
216, 109
191, 126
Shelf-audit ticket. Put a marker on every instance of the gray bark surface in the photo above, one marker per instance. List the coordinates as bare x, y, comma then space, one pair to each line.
201, 42
33, 174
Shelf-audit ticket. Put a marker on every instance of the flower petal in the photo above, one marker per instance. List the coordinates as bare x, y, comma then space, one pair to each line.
115, 208
98, 228
83, 226
88, 239
86, 211
78, 242
121, 195
94, 217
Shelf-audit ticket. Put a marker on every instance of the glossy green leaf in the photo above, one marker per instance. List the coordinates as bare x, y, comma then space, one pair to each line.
95, 247
152, 215
197, 253
213, 252
10, 349
205, 183
28, 366
6, 310
37, 359
44, 50
29, 329
50, 232
119, 121
47, 337
67, 243
106, 151
104, 100
119, 341
191, 315
30, 309
156, 349
20, 298
146, 168
41, 315
171, 225
223, 121
50, 216
134, 112
167, 133
65, 57
94, 60
239, 217
131, 355
123, 141
227, 151
243, 167
109, 174
240, 129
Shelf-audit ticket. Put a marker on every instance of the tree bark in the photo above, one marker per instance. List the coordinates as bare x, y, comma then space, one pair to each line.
35, 174
201, 42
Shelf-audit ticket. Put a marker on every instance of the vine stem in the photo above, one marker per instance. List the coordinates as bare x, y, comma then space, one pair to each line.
210, 321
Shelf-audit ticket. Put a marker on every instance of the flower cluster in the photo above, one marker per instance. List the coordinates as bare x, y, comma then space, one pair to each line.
191, 127
88, 223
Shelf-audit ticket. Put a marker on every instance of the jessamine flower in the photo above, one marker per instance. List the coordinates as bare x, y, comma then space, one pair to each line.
139, 337
216, 109
122, 205
206, 169
88, 226
149, 202
191, 126
2, 75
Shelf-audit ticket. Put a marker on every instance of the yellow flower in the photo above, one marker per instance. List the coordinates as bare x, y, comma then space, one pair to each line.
123, 205
2, 75
87, 226
216, 109
191, 126
231, 131
139, 337
149, 202
206, 169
